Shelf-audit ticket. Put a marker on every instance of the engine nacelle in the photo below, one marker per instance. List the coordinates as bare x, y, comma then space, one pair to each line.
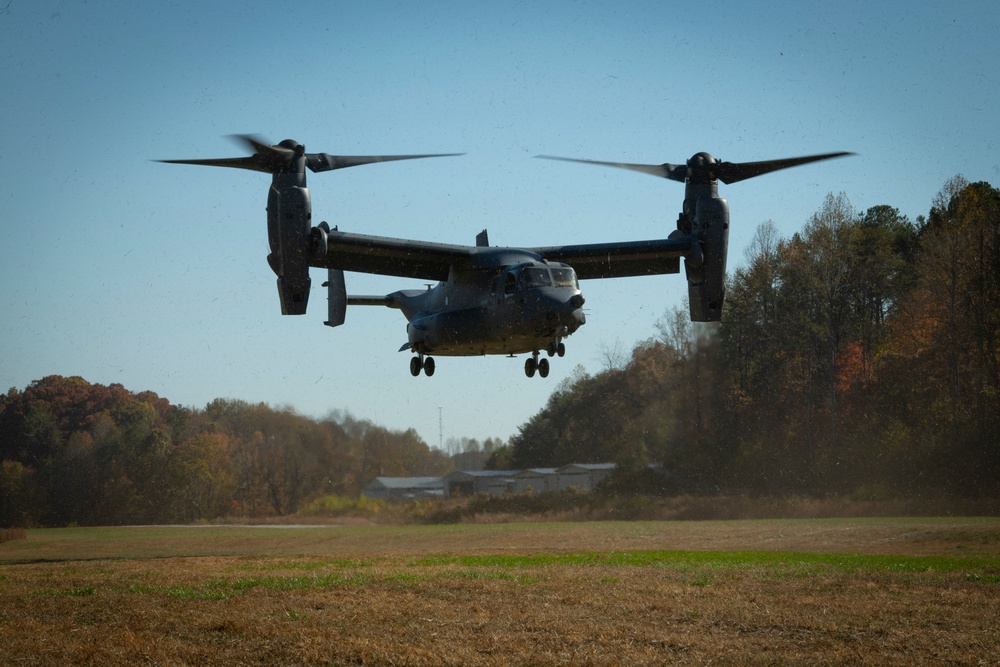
294, 294
289, 226
706, 270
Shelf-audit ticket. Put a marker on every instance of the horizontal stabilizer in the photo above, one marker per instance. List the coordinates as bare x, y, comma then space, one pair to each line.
365, 300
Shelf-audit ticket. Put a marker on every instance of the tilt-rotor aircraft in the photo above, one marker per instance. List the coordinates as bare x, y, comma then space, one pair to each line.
489, 300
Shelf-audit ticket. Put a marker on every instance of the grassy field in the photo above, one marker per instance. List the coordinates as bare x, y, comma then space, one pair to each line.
837, 591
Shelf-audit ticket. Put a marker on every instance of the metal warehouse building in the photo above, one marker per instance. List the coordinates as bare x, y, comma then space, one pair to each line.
404, 488
580, 476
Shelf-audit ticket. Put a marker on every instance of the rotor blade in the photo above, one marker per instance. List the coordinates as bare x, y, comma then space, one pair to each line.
253, 163
733, 172
265, 158
259, 146
675, 172
318, 162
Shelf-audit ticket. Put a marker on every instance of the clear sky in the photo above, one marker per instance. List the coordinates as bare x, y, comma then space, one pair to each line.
120, 269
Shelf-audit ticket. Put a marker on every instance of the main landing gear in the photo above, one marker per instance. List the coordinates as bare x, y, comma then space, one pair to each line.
533, 364
421, 362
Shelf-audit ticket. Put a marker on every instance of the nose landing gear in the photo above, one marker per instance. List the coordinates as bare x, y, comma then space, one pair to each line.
421, 362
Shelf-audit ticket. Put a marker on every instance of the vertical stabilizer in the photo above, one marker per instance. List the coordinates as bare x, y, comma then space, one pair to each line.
337, 298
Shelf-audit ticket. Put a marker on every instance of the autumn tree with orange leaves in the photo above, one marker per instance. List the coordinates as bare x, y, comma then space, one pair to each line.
76, 452
859, 356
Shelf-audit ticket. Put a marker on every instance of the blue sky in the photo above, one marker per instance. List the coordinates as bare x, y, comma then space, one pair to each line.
120, 269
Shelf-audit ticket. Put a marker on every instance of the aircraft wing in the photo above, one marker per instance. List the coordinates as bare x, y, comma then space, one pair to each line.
425, 260
619, 260
392, 257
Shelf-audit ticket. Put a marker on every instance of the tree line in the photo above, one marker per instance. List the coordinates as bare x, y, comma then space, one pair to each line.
76, 452
859, 356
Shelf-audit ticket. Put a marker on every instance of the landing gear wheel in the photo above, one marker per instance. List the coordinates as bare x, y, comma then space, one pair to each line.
530, 366
415, 366
556, 347
543, 368
429, 366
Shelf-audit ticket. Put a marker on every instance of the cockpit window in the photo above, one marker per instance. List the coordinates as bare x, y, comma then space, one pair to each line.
564, 277
535, 277
510, 286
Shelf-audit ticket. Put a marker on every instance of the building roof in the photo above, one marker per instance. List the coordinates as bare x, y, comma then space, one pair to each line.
458, 474
580, 467
407, 482
534, 472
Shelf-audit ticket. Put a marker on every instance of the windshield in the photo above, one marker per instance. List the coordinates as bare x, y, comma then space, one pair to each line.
535, 277
564, 277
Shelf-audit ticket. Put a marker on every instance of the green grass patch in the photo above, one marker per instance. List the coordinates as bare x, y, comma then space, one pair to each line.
211, 591
722, 560
405, 578
489, 574
73, 592
223, 589
312, 565
335, 506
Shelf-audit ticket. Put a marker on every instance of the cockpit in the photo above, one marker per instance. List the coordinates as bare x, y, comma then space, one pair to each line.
534, 276
564, 276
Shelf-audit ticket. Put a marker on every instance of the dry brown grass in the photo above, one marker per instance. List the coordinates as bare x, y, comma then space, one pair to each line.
400, 595
8, 534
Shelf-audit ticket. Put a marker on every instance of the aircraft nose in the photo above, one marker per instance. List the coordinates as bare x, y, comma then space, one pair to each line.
574, 310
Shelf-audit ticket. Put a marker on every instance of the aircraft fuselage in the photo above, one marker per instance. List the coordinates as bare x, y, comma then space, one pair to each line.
526, 307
